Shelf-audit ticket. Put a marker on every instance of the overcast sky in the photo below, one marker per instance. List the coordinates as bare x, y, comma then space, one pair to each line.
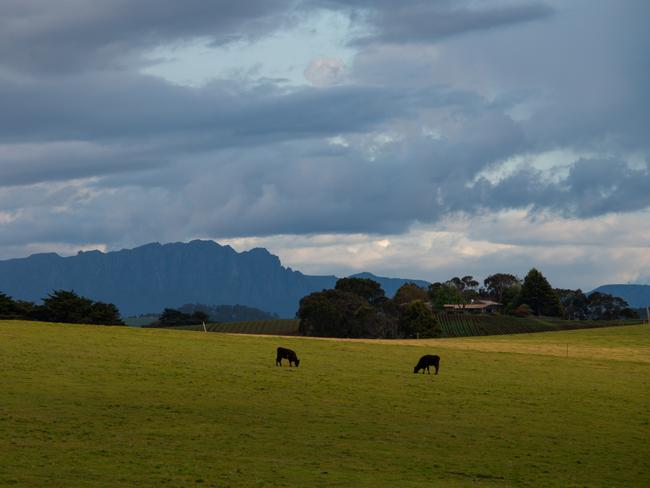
420, 139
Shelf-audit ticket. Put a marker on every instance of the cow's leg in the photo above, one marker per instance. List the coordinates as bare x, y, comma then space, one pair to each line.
428, 370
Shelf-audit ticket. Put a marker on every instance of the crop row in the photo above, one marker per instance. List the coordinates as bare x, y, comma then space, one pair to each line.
463, 325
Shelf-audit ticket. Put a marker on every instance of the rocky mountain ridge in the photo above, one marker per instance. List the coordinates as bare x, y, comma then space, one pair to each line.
154, 276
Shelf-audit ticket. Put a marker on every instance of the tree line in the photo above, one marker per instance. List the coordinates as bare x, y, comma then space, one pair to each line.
533, 295
171, 317
358, 307
61, 306
197, 313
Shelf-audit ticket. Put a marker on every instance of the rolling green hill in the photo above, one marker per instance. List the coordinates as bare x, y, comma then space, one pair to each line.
117, 406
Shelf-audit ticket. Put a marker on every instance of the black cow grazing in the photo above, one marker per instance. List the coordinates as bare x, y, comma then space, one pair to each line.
284, 353
425, 362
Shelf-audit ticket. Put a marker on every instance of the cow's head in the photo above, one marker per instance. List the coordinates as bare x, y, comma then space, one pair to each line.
415, 370
297, 362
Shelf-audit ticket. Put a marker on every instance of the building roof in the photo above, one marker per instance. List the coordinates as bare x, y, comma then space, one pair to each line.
475, 305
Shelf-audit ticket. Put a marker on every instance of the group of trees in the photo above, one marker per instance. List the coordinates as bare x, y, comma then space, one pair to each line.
502, 288
533, 295
595, 306
61, 306
358, 307
196, 314
228, 313
172, 317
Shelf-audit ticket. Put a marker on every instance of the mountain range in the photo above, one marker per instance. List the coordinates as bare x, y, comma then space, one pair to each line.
154, 276
637, 296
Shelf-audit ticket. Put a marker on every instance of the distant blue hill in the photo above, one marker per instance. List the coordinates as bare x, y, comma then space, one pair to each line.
637, 296
154, 276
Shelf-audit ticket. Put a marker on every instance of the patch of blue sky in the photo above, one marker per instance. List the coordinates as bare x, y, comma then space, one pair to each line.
282, 56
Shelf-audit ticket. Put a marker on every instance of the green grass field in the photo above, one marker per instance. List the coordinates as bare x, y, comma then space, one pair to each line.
117, 406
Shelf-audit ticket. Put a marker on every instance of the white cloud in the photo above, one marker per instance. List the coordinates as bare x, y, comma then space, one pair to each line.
606, 249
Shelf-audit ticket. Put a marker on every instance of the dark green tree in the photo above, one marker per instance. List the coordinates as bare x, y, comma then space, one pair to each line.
537, 293
64, 306
199, 317
104, 314
510, 298
8, 307
497, 285
442, 294
25, 309
466, 286
574, 303
417, 320
335, 313
433, 290
409, 292
172, 317
68, 307
603, 306
366, 288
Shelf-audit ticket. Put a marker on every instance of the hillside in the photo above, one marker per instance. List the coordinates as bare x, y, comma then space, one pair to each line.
154, 276
637, 296
116, 406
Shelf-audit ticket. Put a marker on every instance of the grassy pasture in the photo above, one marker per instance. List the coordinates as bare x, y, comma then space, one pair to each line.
115, 406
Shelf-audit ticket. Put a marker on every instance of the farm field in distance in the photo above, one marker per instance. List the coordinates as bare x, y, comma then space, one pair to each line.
274, 327
456, 325
118, 406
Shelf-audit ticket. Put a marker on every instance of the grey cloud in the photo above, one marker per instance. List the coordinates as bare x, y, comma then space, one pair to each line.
123, 106
593, 187
298, 186
44, 37
230, 194
425, 22
27, 164
240, 159
77, 35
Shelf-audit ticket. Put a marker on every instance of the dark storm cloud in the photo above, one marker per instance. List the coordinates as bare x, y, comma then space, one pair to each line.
425, 22
76, 35
129, 106
41, 36
593, 187
250, 157
26, 164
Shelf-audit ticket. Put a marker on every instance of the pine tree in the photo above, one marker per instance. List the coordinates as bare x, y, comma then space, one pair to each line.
537, 293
